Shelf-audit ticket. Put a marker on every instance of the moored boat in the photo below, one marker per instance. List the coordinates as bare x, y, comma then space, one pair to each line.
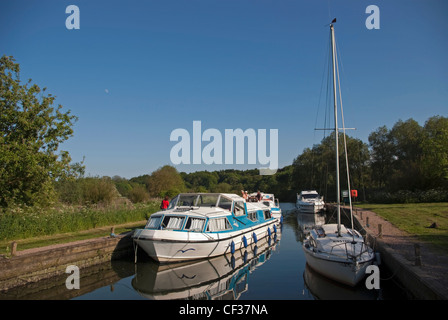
221, 277
269, 200
310, 202
341, 256
204, 225
333, 250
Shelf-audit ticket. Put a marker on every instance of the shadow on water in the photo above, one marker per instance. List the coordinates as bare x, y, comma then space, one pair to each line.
274, 269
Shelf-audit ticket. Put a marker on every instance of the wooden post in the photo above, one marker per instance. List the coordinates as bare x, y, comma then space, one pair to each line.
380, 230
418, 257
367, 222
13, 248
112, 232
360, 214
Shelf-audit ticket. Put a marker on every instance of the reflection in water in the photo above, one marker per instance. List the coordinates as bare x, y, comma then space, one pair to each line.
323, 288
220, 278
307, 222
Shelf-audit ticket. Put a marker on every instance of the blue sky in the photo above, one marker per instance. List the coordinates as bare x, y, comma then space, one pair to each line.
137, 70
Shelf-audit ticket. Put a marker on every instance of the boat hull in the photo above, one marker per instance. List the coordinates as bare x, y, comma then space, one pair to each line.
310, 207
346, 272
277, 214
168, 246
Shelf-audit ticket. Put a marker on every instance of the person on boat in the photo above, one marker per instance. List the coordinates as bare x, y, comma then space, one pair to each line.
165, 203
259, 196
244, 194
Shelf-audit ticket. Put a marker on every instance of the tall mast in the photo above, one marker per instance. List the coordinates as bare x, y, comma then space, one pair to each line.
336, 131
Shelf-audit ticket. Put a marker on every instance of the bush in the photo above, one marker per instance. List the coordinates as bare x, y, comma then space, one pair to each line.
25, 222
87, 191
138, 194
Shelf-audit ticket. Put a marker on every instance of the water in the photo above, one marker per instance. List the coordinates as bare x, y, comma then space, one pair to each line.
276, 270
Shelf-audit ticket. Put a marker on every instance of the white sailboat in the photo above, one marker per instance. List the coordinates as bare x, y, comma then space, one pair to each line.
334, 250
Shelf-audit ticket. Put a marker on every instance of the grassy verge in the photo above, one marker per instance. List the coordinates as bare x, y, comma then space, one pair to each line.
416, 218
42, 241
32, 228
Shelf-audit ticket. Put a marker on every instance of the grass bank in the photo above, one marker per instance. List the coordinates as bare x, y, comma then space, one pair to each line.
32, 228
416, 219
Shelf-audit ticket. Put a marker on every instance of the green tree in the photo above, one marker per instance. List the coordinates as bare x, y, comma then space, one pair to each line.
435, 152
316, 168
31, 130
165, 181
407, 138
382, 156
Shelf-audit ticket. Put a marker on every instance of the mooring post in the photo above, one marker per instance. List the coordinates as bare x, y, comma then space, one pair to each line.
418, 257
112, 232
380, 230
367, 222
13, 248
360, 213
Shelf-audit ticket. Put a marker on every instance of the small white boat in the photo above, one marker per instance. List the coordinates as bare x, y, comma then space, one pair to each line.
333, 250
203, 225
269, 200
342, 257
310, 202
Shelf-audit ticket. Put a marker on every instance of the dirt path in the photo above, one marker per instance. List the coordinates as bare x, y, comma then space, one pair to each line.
434, 265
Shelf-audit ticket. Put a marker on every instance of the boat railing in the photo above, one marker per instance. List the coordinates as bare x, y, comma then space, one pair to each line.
348, 255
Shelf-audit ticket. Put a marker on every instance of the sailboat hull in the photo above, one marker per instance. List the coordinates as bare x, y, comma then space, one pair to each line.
343, 271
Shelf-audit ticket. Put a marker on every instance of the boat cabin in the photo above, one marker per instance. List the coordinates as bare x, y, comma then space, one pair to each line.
208, 212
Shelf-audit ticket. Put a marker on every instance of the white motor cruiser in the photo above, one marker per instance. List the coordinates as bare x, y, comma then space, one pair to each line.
204, 225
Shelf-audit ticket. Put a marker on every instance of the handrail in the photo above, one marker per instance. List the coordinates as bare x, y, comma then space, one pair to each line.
347, 255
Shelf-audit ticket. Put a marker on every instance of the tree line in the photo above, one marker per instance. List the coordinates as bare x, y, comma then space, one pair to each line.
405, 163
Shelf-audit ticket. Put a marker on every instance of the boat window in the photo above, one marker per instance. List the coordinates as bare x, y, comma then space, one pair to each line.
207, 200
172, 222
195, 224
238, 209
267, 203
187, 200
310, 196
225, 203
267, 214
173, 202
154, 222
252, 215
218, 224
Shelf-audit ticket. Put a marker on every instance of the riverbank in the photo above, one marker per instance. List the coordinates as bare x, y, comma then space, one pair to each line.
32, 265
420, 266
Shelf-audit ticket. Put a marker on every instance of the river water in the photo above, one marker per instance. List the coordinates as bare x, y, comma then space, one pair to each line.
273, 270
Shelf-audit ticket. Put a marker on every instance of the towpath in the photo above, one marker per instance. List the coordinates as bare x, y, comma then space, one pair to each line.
433, 270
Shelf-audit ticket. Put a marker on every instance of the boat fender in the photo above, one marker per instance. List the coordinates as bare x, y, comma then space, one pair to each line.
254, 237
232, 247
244, 241
281, 219
377, 258
275, 229
269, 232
